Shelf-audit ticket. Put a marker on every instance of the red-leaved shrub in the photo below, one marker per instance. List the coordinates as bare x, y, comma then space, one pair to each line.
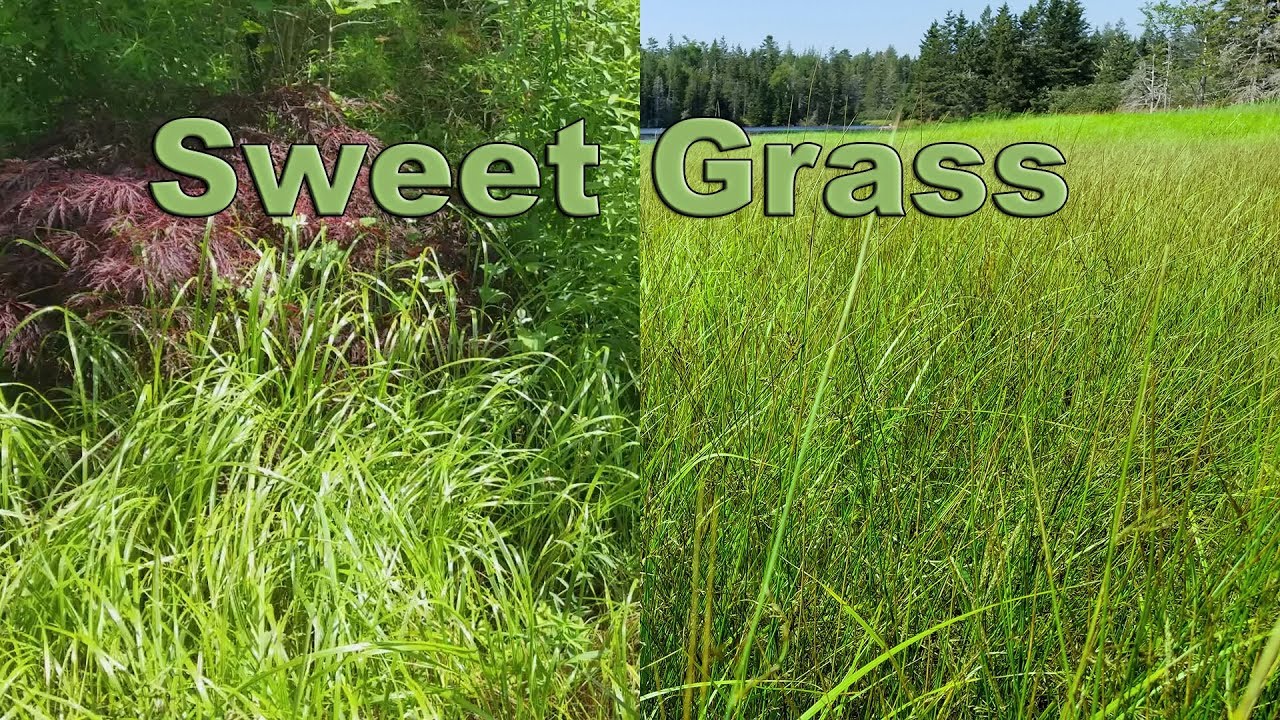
79, 228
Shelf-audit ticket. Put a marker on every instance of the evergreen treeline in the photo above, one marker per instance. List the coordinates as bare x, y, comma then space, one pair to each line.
1044, 58
768, 85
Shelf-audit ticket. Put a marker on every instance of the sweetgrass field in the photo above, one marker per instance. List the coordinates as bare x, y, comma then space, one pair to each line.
973, 468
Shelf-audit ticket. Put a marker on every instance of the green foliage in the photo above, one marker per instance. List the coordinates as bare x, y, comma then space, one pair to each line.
578, 60
94, 61
72, 59
1067, 51
1007, 61
1095, 98
1117, 57
1207, 52
934, 91
328, 494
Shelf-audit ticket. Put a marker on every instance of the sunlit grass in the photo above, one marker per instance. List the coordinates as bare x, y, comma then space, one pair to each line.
1030, 473
326, 495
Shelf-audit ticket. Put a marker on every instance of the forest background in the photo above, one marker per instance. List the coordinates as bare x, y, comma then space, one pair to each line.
1047, 58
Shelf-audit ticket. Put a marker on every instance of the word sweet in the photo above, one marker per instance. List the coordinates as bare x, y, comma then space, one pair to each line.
1040, 193
494, 166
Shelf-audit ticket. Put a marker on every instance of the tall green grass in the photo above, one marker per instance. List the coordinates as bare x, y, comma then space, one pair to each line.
327, 495
984, 467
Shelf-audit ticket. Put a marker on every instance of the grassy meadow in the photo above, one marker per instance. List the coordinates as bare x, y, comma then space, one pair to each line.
973, 468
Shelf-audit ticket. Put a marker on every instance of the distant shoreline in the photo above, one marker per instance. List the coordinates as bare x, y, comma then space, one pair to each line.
653, 133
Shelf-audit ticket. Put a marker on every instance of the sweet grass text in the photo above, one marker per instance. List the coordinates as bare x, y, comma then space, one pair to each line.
406, 166
876, 167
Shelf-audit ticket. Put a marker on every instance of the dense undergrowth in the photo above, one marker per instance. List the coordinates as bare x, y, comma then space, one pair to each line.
278, 531
320, 487
985, 467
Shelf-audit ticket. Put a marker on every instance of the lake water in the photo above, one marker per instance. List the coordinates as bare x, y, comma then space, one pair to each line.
653, 133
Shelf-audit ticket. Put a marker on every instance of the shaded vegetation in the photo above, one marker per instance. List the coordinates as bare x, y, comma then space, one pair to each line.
101, 243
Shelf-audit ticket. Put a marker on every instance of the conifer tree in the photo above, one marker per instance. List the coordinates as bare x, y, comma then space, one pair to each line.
1118, 54
1068, 53
1005, 91
935, 74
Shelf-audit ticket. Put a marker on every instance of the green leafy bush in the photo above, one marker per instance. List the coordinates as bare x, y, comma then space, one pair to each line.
1095, 98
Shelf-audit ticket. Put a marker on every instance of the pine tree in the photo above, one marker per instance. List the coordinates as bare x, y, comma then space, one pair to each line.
1005, 90
886, 68
1031, 39
1068, 53
935, 74
1117, 57
969, 93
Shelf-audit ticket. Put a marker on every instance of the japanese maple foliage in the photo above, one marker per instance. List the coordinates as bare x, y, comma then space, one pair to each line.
79, 228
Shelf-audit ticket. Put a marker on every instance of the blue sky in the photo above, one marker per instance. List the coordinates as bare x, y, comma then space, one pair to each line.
823, 24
